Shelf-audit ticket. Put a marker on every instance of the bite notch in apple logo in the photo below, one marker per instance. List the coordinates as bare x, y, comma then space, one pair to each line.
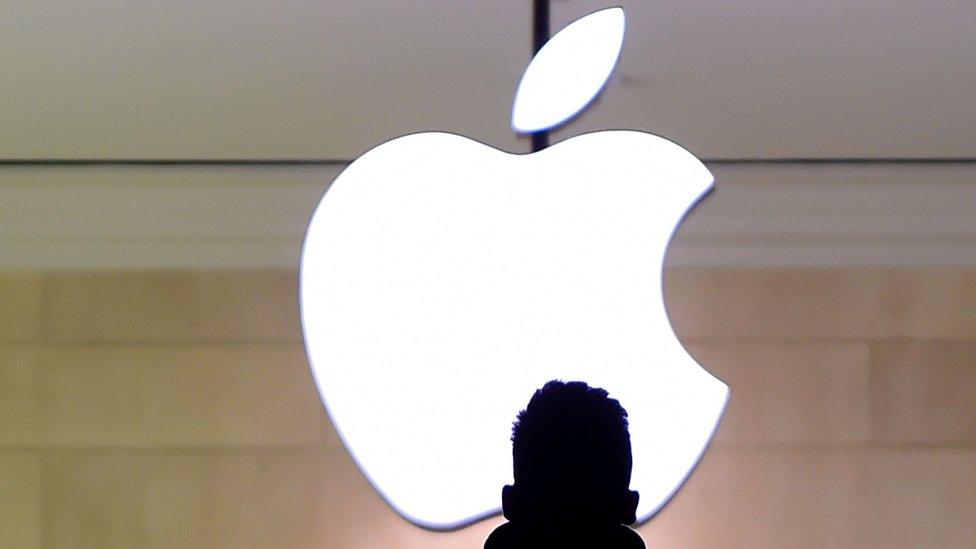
442, 281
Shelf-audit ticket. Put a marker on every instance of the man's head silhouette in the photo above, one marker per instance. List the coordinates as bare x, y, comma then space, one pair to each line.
572, 463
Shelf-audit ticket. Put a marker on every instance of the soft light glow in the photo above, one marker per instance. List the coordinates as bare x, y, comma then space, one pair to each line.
569, 71
443, 281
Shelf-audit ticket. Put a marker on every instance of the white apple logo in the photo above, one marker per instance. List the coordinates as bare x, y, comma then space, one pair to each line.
443, 281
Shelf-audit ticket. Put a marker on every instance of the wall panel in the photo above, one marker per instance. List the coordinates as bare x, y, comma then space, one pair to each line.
206, 217
20, 306
20, 500
330, 79
175, 409
760, 79
254, 79
150, 395
925, 392
173, 306
800, 393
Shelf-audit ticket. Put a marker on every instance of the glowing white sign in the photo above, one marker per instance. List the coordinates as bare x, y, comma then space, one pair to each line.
569, 71
443, 281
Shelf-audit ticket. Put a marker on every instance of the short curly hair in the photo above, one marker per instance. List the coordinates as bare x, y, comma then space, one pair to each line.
572, 433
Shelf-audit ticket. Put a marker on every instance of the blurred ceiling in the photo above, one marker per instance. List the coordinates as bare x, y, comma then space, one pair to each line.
259, 79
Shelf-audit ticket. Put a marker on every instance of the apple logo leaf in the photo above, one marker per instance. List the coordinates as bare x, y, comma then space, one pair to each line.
569, 71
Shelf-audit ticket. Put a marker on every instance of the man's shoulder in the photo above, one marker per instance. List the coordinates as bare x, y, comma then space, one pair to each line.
503, 537
517, 536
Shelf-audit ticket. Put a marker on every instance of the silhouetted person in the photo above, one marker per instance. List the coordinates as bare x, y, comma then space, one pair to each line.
572, 464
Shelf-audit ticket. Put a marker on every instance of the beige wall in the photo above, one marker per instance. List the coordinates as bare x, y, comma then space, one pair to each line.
175, 409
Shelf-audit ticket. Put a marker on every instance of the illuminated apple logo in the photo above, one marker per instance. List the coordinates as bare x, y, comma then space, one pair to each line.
443, 281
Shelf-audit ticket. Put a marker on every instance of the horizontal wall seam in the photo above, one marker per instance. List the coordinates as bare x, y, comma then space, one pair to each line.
342, 162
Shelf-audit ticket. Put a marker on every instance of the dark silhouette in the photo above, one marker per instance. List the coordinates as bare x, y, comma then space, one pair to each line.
572, 464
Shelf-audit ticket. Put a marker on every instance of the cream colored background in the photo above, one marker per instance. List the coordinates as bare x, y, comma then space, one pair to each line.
153, 387
175, 409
